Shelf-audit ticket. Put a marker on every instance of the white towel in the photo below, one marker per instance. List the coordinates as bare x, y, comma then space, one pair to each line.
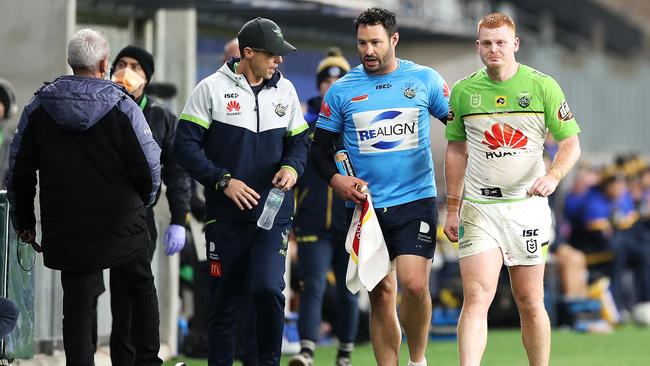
369, 260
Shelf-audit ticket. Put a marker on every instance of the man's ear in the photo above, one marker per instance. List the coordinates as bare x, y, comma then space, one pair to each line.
394, 39
104, 66
248, 53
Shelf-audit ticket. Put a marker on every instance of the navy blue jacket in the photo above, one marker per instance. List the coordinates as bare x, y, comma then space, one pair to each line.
98, 168
226, 129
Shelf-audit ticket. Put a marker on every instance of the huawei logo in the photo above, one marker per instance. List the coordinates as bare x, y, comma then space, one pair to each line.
233, 106
325, 110
445, 89
505, 137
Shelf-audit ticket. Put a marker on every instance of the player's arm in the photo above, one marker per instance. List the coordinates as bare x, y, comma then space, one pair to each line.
564, 129
438, 96
322, 157
455, 165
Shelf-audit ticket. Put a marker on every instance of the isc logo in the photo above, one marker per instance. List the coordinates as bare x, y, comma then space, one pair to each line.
529, 232
383, 86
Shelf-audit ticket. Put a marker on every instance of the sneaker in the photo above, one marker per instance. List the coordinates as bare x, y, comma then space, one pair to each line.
343, 361
301, 359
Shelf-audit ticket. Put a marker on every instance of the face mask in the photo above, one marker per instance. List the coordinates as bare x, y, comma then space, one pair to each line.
129, 79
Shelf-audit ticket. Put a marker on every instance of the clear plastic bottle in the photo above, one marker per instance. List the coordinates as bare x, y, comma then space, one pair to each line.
271, 208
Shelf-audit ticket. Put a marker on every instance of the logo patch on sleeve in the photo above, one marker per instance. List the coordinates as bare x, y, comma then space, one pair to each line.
564, 113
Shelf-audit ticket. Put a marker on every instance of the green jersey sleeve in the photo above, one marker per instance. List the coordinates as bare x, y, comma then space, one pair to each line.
455, 129
558, 116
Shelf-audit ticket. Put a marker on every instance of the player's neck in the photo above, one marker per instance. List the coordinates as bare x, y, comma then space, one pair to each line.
245, 69
503, 73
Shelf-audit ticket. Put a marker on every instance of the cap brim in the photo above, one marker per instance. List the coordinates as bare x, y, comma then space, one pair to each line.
283, 50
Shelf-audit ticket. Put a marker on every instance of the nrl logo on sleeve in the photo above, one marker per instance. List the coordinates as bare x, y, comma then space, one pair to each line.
450, 114
409, 90
280, 109
564, 113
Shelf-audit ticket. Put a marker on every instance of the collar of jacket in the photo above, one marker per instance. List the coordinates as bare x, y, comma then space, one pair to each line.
228, 67
143, 101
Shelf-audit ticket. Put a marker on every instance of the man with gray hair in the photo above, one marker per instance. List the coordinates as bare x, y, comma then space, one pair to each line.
98, 169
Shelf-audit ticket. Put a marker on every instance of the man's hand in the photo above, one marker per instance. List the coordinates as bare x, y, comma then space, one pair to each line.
241, 194
284, 179
544, 186
348, 187
174, 239
29, 236
451, 226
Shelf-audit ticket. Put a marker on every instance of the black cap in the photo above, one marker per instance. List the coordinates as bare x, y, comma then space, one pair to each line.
145, 59
262, 33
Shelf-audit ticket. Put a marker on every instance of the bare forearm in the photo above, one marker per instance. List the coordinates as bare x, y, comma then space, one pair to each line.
566, 157
455, 165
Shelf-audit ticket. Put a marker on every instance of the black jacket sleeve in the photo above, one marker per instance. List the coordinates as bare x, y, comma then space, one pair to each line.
21, 177
322, 153
176, 179
296, 151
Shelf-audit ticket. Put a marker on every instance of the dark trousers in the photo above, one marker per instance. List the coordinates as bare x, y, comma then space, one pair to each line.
121, 342
314, 261
632, 251
8, 316
79, 296
241, 256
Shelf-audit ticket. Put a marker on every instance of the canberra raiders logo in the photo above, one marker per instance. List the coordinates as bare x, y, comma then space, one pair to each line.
280, 109
524, 100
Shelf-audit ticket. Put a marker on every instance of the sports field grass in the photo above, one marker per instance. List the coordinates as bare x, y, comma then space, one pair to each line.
629, 346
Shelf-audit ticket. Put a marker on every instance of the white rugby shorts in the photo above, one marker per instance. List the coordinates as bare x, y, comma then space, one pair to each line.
521, 230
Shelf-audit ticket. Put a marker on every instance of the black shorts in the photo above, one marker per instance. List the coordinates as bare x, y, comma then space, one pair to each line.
409, 228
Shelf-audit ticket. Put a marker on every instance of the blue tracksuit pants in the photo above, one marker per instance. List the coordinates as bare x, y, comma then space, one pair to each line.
243, 257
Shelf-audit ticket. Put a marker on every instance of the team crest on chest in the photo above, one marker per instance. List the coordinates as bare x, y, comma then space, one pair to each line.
475, 100
409, 90
280, 109
524, 100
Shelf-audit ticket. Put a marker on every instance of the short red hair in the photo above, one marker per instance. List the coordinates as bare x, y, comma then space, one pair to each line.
496, 20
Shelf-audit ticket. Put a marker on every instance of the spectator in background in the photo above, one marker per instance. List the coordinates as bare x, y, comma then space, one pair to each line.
133, 68
98, 171
7, 110
572, 262
230, 50
320, 230
241, 134
7, 100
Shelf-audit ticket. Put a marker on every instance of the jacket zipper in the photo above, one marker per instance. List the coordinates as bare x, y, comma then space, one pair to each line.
257, 137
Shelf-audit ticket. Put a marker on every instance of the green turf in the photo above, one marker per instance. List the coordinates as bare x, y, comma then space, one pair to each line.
629, 346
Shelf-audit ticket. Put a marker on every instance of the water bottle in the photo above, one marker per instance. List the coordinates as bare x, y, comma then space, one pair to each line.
271, 208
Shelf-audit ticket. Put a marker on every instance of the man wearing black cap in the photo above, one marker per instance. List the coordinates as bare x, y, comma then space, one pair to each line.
241, 134
133, 68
